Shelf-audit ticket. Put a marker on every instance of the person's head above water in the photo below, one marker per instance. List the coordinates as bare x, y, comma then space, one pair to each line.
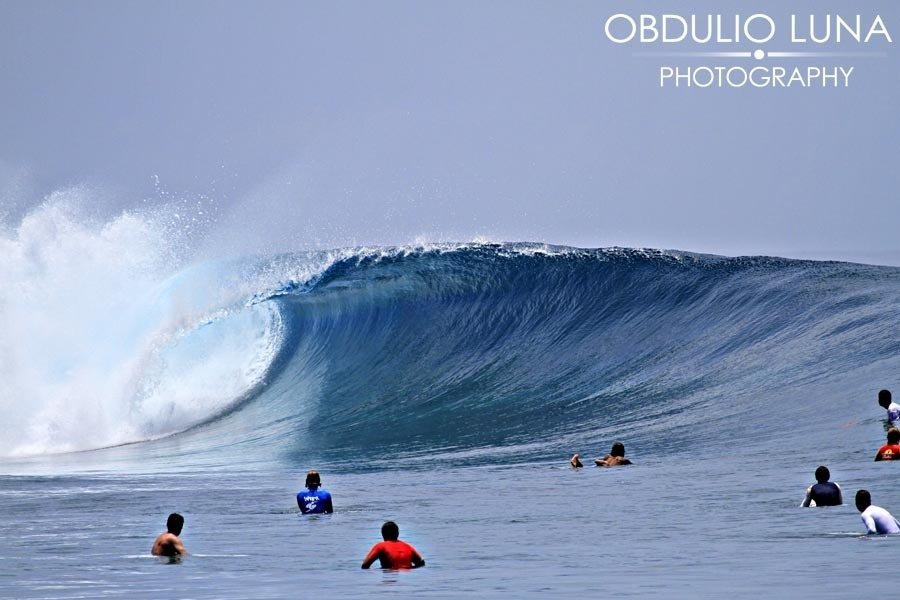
390, 532
823, 474
884, 398
863, 500
313, 480
618, 449
893, 436
175, 523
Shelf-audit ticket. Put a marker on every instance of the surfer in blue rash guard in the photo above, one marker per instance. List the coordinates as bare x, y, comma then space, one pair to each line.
313, 499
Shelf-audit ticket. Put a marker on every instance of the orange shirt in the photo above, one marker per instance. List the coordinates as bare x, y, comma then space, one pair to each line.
889, 452
393, 554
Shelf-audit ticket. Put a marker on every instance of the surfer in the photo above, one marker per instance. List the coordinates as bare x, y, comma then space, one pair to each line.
891, 450
313, 499
823, 492
393, 553
615, 458
875, 518
892, 408
168, 543
575, 461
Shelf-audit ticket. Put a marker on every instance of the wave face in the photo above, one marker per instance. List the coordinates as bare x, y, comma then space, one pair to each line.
469, 352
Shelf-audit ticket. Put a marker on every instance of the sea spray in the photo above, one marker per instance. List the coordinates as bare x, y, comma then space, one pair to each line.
103, 340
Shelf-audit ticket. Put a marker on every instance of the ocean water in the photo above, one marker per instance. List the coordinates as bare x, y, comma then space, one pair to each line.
444, 387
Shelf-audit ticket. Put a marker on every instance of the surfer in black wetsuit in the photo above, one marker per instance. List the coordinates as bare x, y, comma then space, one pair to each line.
824, 492
575, 461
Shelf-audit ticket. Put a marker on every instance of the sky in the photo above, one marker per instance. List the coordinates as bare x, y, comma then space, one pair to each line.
327, 124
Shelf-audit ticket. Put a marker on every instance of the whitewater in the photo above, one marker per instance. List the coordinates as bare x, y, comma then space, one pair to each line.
444, 386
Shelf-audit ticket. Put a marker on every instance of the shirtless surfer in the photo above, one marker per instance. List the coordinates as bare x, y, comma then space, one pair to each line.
168, 543
615, 458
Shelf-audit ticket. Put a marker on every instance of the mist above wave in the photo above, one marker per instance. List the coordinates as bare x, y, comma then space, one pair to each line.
105, 341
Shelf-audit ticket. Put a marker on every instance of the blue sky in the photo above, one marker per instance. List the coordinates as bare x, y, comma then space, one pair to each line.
316, 124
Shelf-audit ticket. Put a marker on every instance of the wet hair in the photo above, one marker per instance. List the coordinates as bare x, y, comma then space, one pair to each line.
175, 523
313, 479
884, 398
390, 532
823, 474
863, 500
893, 436
618, 449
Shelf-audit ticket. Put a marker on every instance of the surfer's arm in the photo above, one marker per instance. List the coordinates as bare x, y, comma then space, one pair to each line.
869, 522
328, 506
372, 556
417, 560
178, 546
808, 499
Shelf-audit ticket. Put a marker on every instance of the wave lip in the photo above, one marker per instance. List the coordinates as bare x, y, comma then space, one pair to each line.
517, 349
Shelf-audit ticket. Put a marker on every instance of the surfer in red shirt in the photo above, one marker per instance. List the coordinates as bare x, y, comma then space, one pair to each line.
891, 450
392, 552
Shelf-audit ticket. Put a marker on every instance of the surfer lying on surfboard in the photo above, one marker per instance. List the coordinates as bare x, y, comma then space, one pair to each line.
615, 458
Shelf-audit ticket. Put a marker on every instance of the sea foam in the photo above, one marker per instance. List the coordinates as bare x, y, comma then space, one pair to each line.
110, 336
